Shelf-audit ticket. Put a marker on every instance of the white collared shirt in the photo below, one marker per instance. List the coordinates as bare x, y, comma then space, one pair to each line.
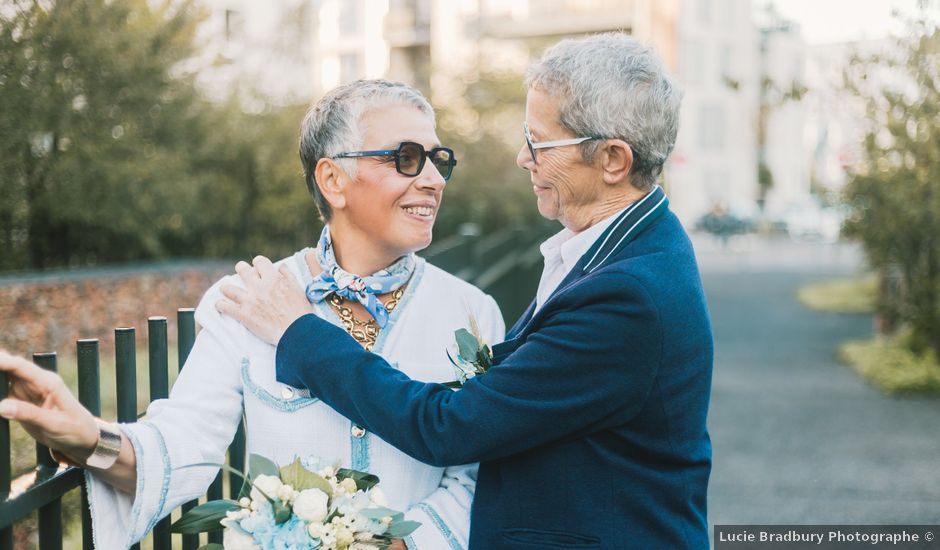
562, 250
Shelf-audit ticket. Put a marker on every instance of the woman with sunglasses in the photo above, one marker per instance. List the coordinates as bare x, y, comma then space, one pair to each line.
376, 170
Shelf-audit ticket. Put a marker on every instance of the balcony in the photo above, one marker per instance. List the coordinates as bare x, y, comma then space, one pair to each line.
557, 17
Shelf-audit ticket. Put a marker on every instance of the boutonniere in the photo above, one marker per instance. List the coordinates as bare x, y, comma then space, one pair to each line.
472, 356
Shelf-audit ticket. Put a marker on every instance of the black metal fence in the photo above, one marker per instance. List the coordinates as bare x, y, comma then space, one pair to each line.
52, 482
505, 264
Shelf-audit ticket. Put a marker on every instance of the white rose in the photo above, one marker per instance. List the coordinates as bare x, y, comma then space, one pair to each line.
311, 505
378, 497
269, 484
233, 539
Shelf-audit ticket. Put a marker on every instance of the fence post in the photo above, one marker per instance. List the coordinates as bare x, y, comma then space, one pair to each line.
125, 376
89, 394
6, 535
50, 515
186, 336
159, 389
236, 459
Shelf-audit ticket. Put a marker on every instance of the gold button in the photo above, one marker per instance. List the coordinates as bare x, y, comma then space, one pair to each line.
358, 431
287, 393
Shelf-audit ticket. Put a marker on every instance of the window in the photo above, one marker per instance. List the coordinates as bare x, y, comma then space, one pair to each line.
348, 67
725, 62
712, 127
691, 64
349, 17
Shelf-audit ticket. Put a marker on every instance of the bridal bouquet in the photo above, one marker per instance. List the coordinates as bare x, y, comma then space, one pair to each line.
299, 506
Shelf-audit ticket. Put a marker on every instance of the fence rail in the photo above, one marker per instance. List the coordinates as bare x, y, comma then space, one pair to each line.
505, 264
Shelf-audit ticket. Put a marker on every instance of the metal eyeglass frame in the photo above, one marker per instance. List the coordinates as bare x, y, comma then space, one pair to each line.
397, 154
533, 146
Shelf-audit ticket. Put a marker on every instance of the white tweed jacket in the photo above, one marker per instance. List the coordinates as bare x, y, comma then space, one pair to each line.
230, 373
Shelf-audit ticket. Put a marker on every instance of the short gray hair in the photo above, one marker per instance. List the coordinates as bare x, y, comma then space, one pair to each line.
612, 85
331, 126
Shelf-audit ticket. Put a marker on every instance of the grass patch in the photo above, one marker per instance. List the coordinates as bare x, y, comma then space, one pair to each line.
855, 295
889, 365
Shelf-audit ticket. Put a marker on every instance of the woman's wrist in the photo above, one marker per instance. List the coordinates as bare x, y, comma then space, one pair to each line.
89, 440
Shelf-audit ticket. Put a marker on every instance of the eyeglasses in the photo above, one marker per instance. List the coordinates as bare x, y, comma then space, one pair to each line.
533, 146
410, 158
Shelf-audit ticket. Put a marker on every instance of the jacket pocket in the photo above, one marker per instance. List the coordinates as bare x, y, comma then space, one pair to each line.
532, 538
258, 380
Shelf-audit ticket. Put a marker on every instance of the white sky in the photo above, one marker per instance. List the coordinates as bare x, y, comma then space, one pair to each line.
826, 21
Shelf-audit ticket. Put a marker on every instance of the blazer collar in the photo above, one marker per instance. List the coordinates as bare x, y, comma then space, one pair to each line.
630, 223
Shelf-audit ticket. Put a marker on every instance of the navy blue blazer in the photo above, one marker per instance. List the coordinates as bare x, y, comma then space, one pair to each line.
589, 428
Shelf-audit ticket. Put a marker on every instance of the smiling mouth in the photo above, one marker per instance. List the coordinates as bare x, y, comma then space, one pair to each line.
423, 211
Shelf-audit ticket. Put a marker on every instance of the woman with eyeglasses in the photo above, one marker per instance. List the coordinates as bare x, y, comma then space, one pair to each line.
376, 170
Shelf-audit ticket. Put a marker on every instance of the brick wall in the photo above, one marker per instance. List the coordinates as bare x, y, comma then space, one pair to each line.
49, 312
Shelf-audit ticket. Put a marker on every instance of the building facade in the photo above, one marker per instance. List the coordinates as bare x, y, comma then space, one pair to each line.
721, 53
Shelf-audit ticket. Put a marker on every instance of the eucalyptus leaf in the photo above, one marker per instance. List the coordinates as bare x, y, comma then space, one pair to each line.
364, 480
455, 385
399, 529
259, 465
211, 546
467, 344
205, 517
246, 484
377, 512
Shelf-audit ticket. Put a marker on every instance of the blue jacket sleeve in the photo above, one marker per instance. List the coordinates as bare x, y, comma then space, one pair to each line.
589, 365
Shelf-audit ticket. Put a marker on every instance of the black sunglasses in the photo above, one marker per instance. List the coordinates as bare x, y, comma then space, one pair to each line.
410, 157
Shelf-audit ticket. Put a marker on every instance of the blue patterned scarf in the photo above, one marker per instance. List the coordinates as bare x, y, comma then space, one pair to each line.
350, 286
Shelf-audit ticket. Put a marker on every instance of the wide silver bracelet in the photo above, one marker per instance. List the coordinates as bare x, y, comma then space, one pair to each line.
108, 448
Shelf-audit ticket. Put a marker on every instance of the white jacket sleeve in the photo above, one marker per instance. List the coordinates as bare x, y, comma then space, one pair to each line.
195, 424
445, 514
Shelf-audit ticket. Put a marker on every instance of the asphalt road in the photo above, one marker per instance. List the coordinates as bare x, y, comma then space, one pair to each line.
798, 437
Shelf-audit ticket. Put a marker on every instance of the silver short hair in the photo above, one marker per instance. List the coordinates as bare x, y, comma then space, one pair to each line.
331, 126
612, 85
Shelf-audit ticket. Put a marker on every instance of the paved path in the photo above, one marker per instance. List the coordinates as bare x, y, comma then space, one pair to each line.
797, 436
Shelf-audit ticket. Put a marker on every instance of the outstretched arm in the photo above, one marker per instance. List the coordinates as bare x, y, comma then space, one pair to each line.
42, 403
589, 366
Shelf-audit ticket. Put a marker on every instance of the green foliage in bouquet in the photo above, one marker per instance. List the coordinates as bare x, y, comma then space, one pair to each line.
370, 524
